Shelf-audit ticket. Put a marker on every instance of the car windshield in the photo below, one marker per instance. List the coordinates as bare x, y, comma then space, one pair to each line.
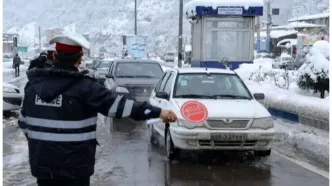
210, 86
105, 64
286, 59
170, 54
138, 70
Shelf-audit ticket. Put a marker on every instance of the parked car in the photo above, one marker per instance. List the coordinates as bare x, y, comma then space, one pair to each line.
12, 97
261, 55
101, 71
281, 61
169, 57
235, 120
133, 77
295, 64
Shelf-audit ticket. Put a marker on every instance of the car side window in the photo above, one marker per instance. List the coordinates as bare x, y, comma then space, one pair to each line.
163, 83
168, 85
110, 70
159, 83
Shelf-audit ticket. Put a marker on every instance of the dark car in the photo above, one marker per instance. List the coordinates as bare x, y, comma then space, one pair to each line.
94, 64
101, 70
295, 64
133, 77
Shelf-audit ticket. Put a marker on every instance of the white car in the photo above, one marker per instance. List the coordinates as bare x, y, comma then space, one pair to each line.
280, 62
235, 120
12, 98
169, 57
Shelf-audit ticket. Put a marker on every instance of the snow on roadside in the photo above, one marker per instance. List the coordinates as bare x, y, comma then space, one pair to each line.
289, 101
309, 140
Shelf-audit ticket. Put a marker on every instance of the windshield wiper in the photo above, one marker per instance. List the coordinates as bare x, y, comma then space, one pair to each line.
194, 96
126, 76
230, 96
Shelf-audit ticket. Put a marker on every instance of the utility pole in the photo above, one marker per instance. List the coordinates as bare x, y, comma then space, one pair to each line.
258, 27
39, 39
180, 34
268, 25
136, 17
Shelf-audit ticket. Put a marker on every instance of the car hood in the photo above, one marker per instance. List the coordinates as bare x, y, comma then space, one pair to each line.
7, 85
230, 108
137, 81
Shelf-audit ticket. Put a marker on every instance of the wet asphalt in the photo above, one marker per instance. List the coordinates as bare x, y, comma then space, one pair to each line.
125, 157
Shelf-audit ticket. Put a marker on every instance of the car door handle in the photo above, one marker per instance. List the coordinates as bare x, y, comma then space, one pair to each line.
159, 101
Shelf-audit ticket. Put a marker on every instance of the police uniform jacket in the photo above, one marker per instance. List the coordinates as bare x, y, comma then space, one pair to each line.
59, 117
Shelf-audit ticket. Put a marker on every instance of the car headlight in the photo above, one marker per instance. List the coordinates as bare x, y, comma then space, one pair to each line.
121, 90
186, 124
263, 123
9, 90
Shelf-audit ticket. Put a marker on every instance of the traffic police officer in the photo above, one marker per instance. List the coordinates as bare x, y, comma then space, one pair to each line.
59, 116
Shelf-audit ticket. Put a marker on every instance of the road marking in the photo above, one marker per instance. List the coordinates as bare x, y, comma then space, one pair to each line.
306, 165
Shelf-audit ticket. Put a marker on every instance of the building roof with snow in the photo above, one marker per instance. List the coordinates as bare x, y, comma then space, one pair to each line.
275, 34
309, 17
295, 25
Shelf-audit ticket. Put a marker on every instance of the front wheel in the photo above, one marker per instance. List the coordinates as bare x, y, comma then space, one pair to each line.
263, 153
171, 151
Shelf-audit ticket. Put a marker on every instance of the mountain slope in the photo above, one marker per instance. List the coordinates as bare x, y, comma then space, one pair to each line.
111, 18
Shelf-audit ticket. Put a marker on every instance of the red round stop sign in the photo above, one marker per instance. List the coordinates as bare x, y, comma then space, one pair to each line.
194, 112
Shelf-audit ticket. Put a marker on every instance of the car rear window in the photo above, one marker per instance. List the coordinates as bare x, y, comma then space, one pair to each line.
138, 69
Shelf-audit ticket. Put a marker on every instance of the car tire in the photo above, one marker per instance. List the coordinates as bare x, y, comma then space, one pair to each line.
262, 153
171, 151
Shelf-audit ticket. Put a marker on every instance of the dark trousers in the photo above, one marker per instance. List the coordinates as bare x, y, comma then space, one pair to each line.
64, 182
17, 70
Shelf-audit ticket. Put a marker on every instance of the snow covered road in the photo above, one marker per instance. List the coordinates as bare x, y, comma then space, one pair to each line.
125, 157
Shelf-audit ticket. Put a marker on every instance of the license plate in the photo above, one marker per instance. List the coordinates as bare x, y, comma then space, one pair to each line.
228, 137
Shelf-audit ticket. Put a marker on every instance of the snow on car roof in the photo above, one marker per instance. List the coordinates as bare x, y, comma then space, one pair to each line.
137, 60
203, 70
191, 6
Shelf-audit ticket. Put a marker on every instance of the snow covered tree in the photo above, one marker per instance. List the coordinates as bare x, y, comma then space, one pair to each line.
314, 74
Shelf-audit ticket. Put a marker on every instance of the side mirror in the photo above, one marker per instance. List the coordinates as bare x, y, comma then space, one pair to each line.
109, 76
259, 96
162, 95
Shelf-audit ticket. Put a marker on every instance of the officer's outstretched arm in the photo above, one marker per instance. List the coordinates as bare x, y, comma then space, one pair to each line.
118, 106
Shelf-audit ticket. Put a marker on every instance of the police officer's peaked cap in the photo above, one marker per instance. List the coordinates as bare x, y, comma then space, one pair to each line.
70, 42
51, 47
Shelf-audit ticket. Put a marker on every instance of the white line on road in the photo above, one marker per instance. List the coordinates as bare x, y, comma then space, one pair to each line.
305, 165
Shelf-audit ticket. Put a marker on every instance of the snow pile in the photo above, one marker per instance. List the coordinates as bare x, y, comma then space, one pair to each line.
190, 7
260, 65
323, 46
286, 100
